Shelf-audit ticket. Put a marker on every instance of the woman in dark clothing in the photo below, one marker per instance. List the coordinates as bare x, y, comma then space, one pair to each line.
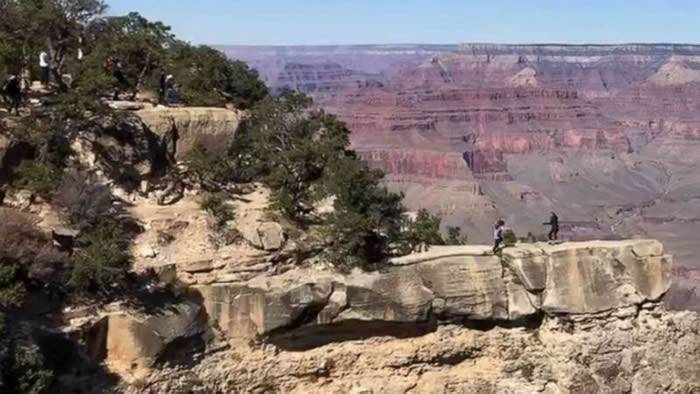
13, 91
554, 222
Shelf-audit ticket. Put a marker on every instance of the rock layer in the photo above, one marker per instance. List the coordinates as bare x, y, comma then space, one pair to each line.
654, 352
448, 283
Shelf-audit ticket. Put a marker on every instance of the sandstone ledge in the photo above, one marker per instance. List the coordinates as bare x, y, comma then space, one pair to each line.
449, 283
212, 127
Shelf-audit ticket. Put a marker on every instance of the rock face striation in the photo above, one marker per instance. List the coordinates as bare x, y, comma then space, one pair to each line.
448, 283
569, 318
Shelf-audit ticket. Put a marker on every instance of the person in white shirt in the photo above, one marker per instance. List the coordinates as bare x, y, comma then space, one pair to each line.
80, 49
498, 235
44, 64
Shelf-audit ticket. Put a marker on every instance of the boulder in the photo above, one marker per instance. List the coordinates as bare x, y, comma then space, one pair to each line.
132, 343
64, 237
271, 236
128, 105
268, 236
21, 200
247, 312
123, 148
214, 128
166, 274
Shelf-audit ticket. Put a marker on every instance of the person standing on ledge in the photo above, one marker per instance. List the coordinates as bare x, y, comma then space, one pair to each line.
44, 65
554, 223
13, 90
498, 235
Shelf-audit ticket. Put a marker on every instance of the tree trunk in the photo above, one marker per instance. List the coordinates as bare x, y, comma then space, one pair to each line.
142, 74
56, 65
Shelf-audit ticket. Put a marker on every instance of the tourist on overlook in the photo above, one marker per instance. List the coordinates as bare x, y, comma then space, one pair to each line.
44, 64
161, 92
114, 66
13, 91
168, 90
554, 223
498, 235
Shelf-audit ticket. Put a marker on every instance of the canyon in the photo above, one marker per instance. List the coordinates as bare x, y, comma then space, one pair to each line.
607, 136
259, 314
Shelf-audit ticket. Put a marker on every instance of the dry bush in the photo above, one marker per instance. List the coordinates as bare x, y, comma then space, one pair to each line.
26, 256
84, 201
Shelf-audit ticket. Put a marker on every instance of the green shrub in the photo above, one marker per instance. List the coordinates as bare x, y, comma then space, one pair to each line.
287, 152
23, 369
12, 288
455, 237
509, 237
366, 219
37, 177
103, 260
221, 213
208, 169
215, 204
208, 78
424, 230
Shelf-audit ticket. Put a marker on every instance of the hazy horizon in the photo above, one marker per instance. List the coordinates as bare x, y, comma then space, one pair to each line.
423, 22
399, 44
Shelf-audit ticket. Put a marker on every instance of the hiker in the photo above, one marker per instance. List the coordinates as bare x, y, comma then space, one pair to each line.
554, 223
114, 66
167, 92
44, 64
170, 94
161, 92
13, 91
498, 235
80, 55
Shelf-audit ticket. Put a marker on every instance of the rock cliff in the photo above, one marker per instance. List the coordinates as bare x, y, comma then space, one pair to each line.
447, 283
568, 318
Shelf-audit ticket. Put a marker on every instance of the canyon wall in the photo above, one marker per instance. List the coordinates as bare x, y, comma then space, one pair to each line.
604, 135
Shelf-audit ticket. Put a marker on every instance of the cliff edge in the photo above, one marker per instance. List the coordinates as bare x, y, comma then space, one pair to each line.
568, 318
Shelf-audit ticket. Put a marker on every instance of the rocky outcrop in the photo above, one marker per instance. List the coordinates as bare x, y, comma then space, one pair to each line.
447, 283
214, 128
568, 318
652, 352
132, 343
122, 149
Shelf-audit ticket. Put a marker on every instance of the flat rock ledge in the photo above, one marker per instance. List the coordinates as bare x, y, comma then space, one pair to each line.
461, 283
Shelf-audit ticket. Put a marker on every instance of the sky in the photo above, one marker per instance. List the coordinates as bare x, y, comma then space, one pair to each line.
335, 22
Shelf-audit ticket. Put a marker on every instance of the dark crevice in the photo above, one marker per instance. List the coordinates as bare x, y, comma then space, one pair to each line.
309, 337
305, 336
533, 322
